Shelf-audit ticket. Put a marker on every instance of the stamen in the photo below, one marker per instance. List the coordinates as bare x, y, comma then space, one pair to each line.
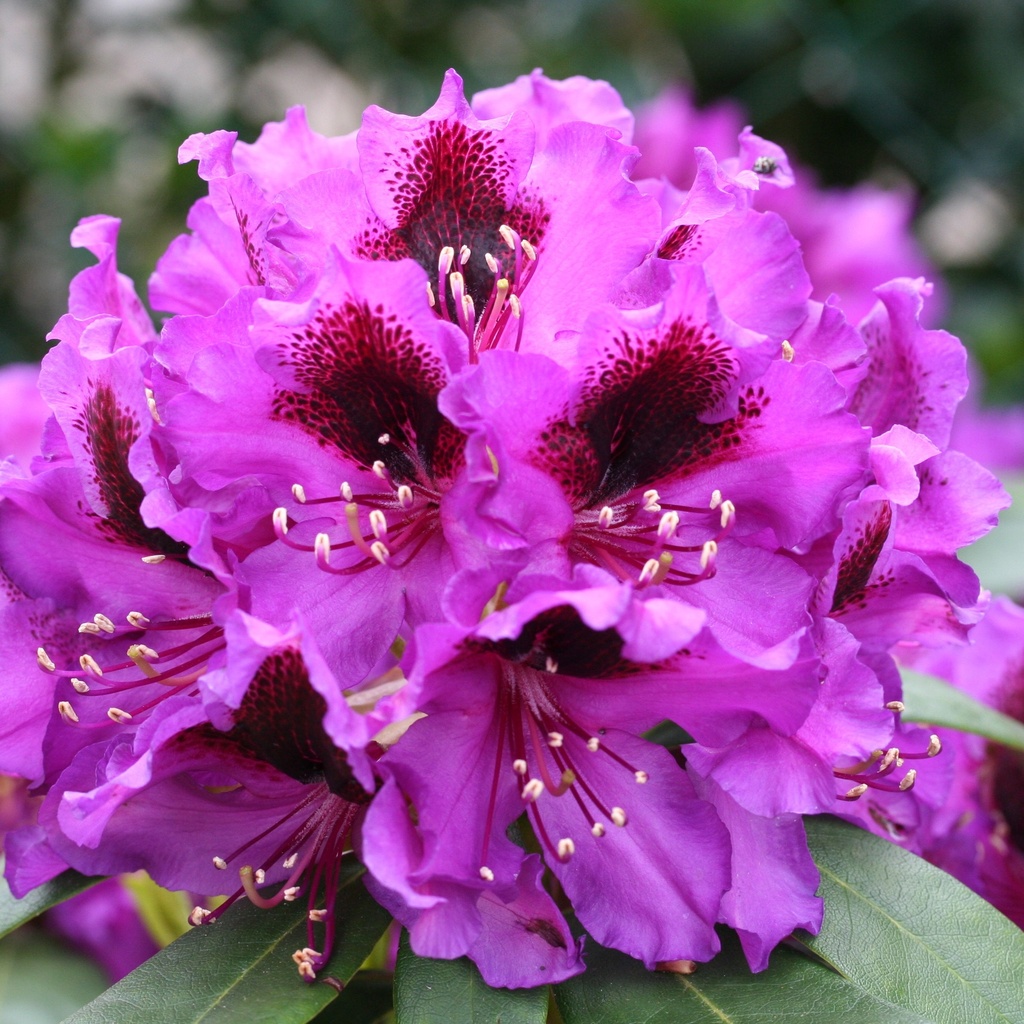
80, 685
492, 263
508, 236
346, 490
650, 570
280, 520
430, 296
532, 790
668, 525
519, 766
555, 739
299, 493
379, 551
651, 499
137, 619
896, 705
151, 405
118, 716
708, 553
89, 664
605, 517
486, 873
593, 744
103, 622
380, 470
289, 862
528, 250
566, 848
464, 253
597, 830
291, 894
198, 916
445, 260
89, 627
515, 305
405, 496
384, 438
67, 712
220, 863
728, 513
855, 793
378, 523
787, 352
641, 776
550, 665
45, 662
317, 915
153, 559
322, 548
908, 780
618, 817
138, 654
716, 499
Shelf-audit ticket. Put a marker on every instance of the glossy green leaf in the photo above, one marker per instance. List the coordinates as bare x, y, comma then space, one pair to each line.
42, 981
240, 968
936, 702
14, 913
452, 992
615, 989
912, 935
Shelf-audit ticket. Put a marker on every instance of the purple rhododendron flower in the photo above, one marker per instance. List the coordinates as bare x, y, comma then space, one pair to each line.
467, 457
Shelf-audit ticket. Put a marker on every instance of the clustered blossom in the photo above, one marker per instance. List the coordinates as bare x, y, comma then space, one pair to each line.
464, 458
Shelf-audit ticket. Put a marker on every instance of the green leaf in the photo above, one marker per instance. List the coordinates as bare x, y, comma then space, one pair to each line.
452, 992
912, 935
937, 702
14, 913
615, 989
240, 968
42, 981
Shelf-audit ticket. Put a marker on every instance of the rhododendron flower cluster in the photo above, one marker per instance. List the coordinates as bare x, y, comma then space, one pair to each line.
463, 459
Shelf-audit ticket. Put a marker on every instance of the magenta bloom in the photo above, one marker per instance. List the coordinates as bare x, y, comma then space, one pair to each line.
465, 458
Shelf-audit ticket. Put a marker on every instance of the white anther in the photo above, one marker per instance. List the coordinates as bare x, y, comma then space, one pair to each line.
896, 705
380, 469
492, 263
137, 619
651, 499
405, 496
430, 296
486, 873
289, 862
597, 829
507, 236
519, 766
618, 817
856, 792
593, 744
515, 305
908, 780
89, 664
317, 914
532, 790
890, 755
787, 352
44, 659
198, 916
528, 250
80, 685
259, 876
299, 493
384, 438
322, 547
728, 512
306, 971
445, 259
707, 553
380, 551
378, 523
650, 569
934, 746
464, 253
667, 526
67, 711
550, 665
566, 848
280, 518
154, 559
555, 739
151, 405
346, 490
118, 716
468, 308
103, 622
220, 863
89, 627
716, 498
291, 894
641, 776
605, 517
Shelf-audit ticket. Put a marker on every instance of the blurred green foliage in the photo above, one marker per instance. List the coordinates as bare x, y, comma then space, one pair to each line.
96, 95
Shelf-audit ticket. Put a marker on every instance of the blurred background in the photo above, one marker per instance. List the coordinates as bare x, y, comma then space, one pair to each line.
96, 95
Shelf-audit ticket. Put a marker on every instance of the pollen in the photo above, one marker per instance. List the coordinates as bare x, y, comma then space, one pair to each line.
597, 830
89, 664
299, 493
566, 848
532, 790
80, 685
118, 716
486, 874
787, 352
44, 660
618, 817
198, 916
67, 712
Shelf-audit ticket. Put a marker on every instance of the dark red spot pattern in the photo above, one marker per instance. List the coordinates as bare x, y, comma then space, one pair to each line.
641, 415
858, 561
449, 188
367, 375
110, 430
